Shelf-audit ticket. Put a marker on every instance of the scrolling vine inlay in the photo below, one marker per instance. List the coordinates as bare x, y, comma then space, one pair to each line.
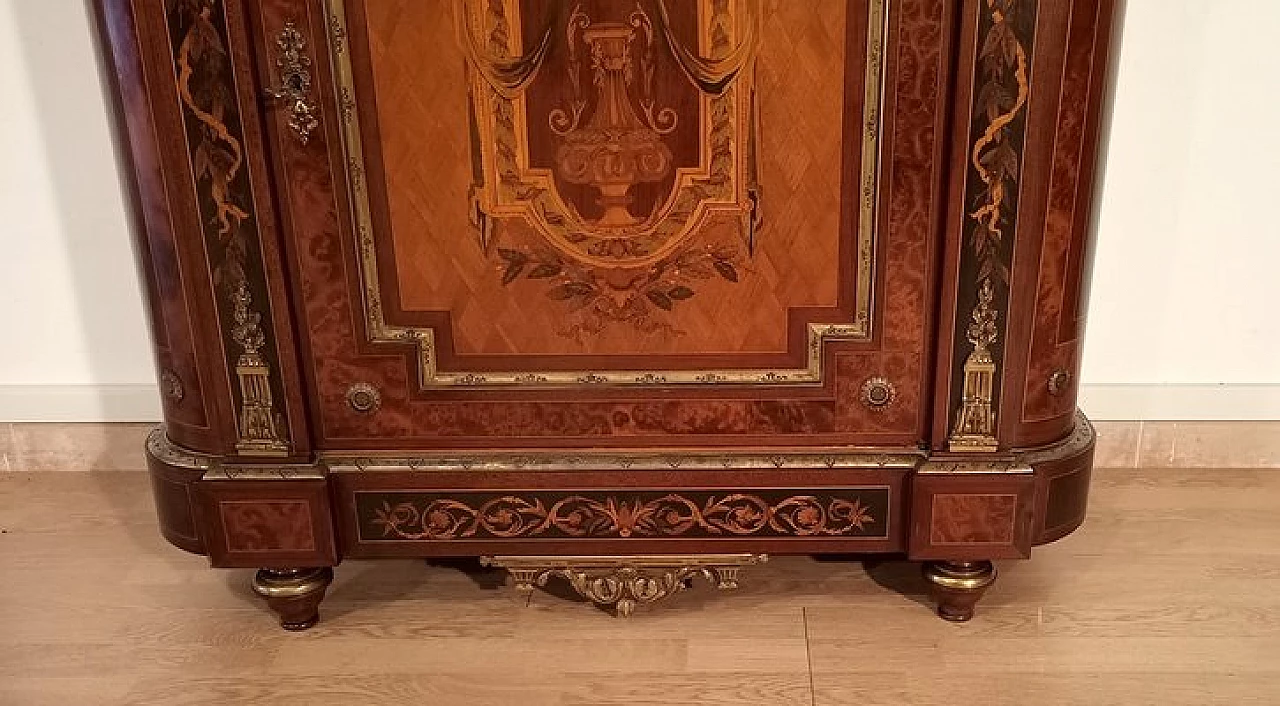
1001, 92
206, 87
422, 515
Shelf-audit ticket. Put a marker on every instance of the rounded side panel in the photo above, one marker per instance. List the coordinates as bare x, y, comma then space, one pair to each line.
174, 474
1063, 473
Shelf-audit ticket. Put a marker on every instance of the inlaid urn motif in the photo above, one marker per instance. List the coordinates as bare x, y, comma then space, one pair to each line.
613, 148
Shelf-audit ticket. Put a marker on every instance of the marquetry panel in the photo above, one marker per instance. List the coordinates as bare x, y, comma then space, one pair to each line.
264, 522
1063, 473
267, 526
978, 516
1068, 499
968, 519
426, 506
528, 514
491, 222
243, 271
887, 77
172, 490
1000, 42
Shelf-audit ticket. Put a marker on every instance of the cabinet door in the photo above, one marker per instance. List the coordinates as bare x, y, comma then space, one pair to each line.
535, 223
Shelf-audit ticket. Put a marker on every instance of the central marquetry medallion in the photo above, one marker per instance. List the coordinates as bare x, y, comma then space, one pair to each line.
578, 184
623, 137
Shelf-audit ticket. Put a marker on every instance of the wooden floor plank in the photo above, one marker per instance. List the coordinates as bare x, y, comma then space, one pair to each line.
1170, 594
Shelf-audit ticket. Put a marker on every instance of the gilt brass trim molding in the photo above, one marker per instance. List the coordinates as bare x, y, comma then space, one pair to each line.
1082, 437
625, 582
624, 461
974, 466
429, 374
170, 454
1001, 92
165, 451
221, 472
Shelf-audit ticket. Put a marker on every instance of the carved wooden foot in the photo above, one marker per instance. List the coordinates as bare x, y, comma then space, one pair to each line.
294, 594
956, 586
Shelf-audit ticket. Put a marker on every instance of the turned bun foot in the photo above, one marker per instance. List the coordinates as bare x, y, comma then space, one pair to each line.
294, 594
956, 586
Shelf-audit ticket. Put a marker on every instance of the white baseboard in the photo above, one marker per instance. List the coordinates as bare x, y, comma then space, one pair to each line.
79, 403
141, 403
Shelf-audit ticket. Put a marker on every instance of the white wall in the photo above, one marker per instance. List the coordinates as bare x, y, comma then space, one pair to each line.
1187, 278
1183, 322
70, 307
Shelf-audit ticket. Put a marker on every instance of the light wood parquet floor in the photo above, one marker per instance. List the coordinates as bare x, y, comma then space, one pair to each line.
1170, 594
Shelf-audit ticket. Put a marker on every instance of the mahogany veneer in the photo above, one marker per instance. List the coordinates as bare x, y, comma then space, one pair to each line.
663, 286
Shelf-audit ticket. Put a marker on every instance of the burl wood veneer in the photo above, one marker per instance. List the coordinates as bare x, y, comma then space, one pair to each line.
622, 292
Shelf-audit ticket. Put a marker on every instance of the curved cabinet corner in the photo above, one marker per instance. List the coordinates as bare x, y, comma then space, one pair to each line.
1029, 126
1063, 472
174, 475
190, 144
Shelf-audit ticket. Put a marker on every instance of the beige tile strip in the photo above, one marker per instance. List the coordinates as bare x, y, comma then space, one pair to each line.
118, 447
50, 446
1188, 444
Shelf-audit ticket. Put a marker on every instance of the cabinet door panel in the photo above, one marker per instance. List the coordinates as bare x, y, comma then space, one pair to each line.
538, 223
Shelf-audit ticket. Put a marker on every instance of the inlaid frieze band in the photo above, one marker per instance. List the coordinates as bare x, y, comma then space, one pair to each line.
1001, 91
400, 516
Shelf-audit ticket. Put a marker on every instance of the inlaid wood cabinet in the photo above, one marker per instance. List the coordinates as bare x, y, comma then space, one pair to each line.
624, 292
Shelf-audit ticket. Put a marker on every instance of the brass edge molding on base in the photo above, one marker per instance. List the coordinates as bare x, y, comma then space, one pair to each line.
1082, 437
842, 459
261, 473
973, 466
624, 582
1019, 461
165, 451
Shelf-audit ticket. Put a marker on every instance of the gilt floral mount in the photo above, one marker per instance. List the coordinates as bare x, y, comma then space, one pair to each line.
613, 152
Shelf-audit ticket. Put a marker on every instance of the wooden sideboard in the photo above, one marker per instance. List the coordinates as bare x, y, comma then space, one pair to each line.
624, 293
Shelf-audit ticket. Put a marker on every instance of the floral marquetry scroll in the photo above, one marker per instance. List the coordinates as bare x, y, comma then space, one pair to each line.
207, 90
1002, 90
424, 516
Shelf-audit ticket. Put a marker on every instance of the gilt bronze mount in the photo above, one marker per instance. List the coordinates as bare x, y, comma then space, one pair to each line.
624, 582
